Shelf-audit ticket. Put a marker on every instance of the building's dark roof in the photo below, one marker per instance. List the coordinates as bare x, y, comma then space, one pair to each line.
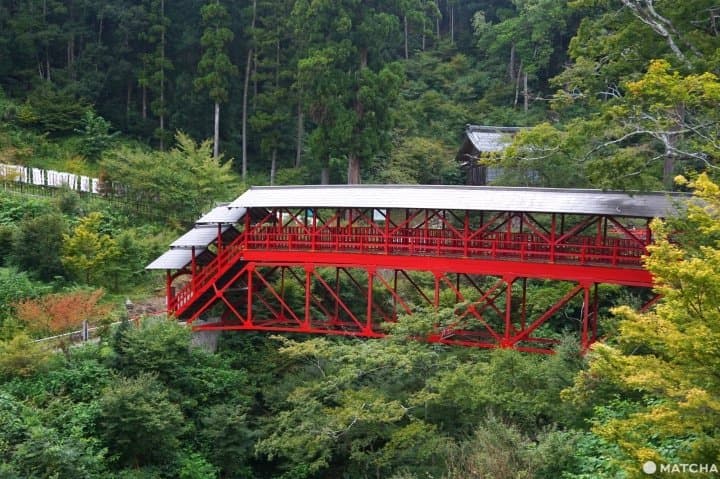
485, 139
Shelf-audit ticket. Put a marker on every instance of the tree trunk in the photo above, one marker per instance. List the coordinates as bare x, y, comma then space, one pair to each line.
47, 48
405, 21
216, 137
325, 174
128, 100
437, 20
647, 14
245, 114
273, 166
668, 169
353, 169
255, 81
300, 134
452, 24
162, 76
101, 22
353, 176
47, 64
517, 85
526, 94
511, 63
144, 102
245, 99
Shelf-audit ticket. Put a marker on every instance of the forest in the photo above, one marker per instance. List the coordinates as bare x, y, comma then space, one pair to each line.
188, 103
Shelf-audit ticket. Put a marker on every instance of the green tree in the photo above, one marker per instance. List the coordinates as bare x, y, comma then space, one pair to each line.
156, 62
88, 251
20, 356
663, 361
274, 71
351, 400
227, 432
194, 466
348, 87
16, 286
182, 182
96, 137
216, 67
420, 160
45, 453
137, 422
529, 39
678, 114
43, 233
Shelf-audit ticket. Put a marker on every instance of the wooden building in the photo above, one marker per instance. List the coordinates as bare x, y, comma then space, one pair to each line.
483, 142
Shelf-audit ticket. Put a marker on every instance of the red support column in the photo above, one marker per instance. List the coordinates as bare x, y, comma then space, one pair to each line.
249, 312
596, 315
368, 312
466, 234
507, 336
168, 290
282, 288
436, 297
585, 316
387, 232
308, 295
313, 232
394, 295
193, 266
337, 295
523, 306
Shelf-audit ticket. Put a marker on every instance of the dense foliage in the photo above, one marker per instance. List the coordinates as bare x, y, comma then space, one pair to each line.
145, 402
306, 91
613, 94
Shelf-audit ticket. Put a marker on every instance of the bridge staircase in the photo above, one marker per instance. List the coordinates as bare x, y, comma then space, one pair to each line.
221, 278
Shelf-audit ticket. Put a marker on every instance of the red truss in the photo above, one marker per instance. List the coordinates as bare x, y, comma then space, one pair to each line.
283, 272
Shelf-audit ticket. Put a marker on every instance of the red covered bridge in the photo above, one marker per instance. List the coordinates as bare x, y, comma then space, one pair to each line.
344, 259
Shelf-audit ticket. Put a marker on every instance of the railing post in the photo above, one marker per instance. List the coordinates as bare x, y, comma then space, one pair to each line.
553, 227
615, 255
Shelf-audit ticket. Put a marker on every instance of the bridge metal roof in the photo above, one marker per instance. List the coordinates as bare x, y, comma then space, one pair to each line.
199, 236
174, 259
477, 198
222, 214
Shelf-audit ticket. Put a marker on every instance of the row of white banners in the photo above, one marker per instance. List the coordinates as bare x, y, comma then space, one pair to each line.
40, 177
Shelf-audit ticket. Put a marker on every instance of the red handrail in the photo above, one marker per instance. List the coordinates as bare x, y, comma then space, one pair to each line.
518, 246
199, 283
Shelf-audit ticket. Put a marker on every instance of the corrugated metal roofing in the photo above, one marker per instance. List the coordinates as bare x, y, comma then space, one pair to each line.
174, 259
478, 198
488, 139
223, 215
199, 236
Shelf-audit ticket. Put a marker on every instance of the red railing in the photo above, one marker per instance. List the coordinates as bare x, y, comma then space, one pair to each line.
512, 246
229, 255
435, 242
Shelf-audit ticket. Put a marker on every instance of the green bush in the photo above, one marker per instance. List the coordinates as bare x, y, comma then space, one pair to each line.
14, 208
6, 237
16, 286
51, 111
41, 234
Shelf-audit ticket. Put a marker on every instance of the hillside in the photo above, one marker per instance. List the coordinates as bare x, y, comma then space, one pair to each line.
176, 106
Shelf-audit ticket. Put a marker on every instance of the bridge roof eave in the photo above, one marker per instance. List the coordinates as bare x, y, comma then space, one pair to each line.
474, 198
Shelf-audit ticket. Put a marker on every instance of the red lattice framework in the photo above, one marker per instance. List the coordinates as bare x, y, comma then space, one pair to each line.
345, 271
